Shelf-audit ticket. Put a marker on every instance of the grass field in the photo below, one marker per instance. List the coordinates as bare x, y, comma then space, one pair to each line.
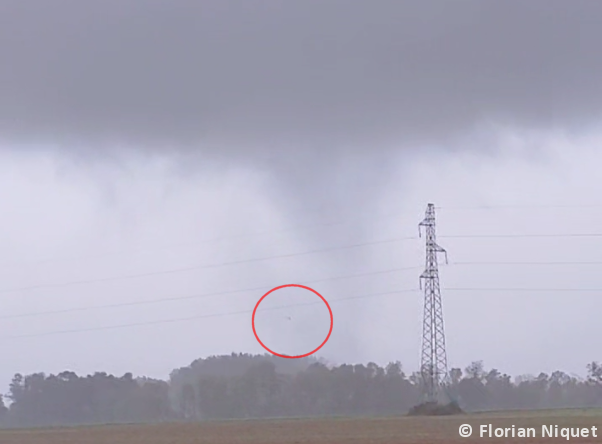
319, 431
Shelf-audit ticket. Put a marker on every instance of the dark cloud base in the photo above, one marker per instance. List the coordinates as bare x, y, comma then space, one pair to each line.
241, 78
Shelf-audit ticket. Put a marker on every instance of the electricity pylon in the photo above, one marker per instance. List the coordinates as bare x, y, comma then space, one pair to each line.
433, 365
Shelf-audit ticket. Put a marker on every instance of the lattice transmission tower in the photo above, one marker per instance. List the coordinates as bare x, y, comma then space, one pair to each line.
433, 365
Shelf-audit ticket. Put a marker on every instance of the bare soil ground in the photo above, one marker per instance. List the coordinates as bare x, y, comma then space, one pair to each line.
317, 431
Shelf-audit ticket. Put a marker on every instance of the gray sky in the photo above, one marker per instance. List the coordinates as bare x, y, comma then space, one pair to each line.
134, 134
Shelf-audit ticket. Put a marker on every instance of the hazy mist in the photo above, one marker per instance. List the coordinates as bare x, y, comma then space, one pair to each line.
206, 152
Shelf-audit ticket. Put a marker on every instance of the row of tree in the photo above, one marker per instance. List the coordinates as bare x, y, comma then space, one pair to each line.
246, 386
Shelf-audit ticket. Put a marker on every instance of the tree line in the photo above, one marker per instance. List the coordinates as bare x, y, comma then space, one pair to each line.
260, 386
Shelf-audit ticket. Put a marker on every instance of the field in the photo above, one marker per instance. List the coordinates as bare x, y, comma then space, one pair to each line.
318, 431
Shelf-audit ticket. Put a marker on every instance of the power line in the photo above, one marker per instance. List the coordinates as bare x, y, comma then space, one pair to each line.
192, 318
302, 227
206, 241
533, 289
350, 276
318, 225
224, 264
519, 206
530, 263
206, 266
239, 312
529, 235
194, 296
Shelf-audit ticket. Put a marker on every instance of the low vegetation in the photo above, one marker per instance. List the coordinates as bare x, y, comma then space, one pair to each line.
435, 409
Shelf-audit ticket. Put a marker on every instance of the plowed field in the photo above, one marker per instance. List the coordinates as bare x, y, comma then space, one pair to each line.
320, 431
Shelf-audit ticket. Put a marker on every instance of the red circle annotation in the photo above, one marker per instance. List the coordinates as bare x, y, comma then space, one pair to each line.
305, 288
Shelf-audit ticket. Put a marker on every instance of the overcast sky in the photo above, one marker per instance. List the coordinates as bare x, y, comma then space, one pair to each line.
177, 160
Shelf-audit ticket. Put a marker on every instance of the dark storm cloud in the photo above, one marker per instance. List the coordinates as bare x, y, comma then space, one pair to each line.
289, 74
